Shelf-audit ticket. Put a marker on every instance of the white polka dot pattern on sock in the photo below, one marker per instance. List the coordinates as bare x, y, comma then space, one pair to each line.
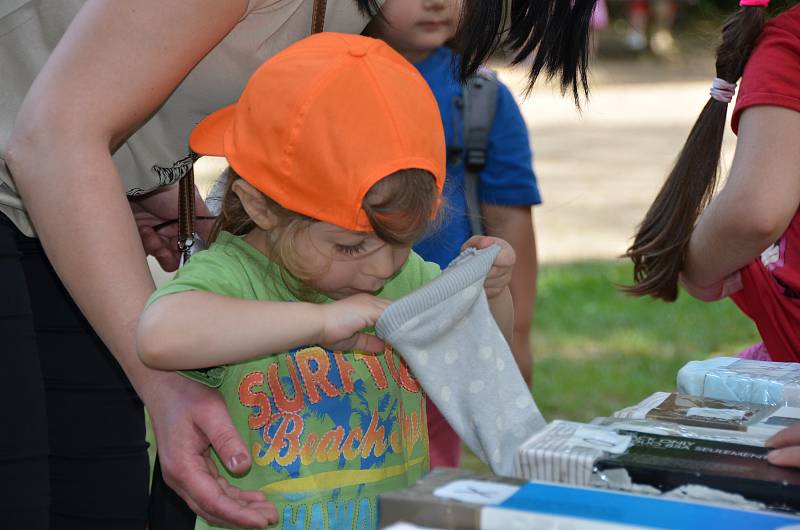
422, 357
476, 386
451, 356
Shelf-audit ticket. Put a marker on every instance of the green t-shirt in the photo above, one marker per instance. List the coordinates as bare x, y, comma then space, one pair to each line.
328, 431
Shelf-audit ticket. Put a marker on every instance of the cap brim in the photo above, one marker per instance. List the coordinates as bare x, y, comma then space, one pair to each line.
208, 137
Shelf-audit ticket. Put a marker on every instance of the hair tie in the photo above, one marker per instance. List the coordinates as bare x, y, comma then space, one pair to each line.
753, 3
722, 90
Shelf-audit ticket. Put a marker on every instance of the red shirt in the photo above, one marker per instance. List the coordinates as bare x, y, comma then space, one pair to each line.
772, 75
770, 292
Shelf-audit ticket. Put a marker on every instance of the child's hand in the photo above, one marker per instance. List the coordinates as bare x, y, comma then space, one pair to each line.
500, 274
343, 320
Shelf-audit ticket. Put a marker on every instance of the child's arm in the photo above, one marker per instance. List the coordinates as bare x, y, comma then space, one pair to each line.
515, 225
758, 202
496, 284
198, 329
716, 291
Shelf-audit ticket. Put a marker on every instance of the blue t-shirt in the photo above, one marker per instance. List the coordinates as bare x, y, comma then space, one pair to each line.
507, 179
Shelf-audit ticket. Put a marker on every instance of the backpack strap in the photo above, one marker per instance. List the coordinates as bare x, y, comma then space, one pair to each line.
479, 95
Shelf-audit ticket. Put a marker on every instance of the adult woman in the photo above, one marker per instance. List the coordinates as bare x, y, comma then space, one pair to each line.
131, 79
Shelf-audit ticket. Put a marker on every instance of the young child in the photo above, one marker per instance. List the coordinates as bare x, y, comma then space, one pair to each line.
745, 243
418, 29
337, 161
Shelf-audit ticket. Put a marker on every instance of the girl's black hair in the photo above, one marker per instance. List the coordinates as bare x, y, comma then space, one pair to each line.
553, 33
368, 7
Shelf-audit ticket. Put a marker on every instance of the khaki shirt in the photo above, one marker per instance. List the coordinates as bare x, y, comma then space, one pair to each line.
157, 154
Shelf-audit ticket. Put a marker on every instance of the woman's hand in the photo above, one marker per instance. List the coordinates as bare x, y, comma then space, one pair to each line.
500, 274
786, 447
188, 418
343, 320
156, 216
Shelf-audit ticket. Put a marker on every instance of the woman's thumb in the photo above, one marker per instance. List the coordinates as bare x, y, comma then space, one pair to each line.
229, 446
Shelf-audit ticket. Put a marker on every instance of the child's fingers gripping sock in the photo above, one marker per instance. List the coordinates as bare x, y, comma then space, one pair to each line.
446, 333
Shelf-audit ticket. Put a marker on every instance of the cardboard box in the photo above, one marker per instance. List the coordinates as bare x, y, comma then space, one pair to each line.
419, 505
730, 378
698, 411
460, 499
566, 452
581, 455
667, 462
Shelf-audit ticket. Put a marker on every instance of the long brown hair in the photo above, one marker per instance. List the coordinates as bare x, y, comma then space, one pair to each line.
660, 244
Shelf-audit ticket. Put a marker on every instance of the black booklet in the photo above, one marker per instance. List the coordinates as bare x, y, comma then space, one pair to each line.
667, 462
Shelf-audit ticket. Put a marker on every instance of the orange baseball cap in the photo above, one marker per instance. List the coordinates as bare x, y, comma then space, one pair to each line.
321, 122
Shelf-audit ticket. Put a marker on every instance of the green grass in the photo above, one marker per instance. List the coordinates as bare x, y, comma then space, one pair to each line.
597, 350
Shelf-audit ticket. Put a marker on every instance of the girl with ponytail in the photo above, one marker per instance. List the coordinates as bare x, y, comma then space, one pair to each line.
745, 241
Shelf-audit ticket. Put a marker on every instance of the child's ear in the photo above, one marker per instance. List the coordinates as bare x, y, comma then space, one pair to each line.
255, 204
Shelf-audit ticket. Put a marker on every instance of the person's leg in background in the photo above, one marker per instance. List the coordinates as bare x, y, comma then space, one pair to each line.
598, 23
98, 456
663, 42
443, 442
24, 468
638, 18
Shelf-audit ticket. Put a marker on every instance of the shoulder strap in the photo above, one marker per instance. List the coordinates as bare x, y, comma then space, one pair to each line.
189, 241
479, 95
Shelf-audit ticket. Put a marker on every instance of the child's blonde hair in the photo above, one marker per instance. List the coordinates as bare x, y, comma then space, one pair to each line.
400, 208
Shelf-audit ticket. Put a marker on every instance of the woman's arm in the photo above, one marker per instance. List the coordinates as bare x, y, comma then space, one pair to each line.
515, 225
758, 201
114, 66
198, 329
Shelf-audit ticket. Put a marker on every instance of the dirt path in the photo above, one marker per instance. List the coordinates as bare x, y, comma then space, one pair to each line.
599, 170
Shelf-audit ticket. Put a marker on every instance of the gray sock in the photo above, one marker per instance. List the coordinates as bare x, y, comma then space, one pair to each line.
447, 335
